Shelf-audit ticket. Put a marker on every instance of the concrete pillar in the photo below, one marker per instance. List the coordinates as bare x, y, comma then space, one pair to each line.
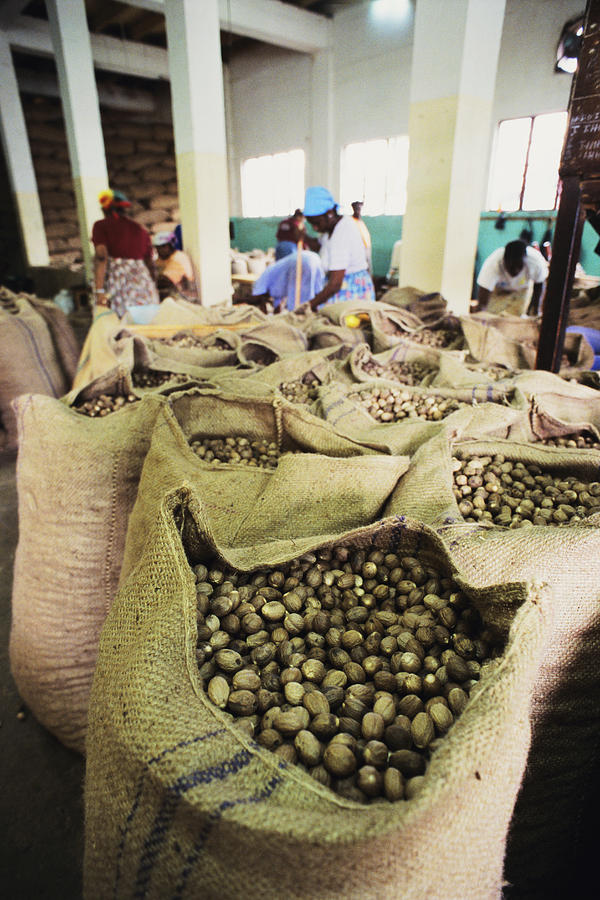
19, 163
323, 164
193, 39
455, 56
73, 54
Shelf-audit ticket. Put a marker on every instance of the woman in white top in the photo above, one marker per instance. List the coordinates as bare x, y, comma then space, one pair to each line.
342, 250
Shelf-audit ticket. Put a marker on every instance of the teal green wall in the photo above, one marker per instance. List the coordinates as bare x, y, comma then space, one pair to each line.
259, 234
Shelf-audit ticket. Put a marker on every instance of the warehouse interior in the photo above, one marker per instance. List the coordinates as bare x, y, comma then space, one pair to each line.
446, 119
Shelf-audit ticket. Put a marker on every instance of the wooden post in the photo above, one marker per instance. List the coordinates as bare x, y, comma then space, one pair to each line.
580, 160
565, 254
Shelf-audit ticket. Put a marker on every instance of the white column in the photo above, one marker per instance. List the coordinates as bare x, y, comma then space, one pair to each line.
455, 56
323, 164
193, 39
19, 163
73, 54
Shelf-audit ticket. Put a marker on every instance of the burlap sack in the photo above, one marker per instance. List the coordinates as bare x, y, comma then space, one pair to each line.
28, 361
339, 405
99, 354
266, 343
327, 460
180, 803
77, 480
218, 349
322, 333
181, 313
430, 308
512, 342
63, 336
559, 407
547, 838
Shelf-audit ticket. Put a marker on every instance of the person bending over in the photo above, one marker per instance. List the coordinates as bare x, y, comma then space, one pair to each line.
511, 280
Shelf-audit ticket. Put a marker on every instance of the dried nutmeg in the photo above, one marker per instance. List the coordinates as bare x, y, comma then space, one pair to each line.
242, 703
352, 663
308, 748
218, 690
339, 760
291, 721
422, 730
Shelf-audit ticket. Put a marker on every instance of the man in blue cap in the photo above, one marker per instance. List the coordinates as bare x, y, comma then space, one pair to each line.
342, 250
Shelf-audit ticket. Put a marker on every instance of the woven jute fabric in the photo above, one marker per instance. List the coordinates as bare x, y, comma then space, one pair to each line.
28, 362
179, 804
266, 343
558, 406
209, 355
77, 481
352, 490
181, 312
512, 342
340, 407
562, 765
63, 336
99, 353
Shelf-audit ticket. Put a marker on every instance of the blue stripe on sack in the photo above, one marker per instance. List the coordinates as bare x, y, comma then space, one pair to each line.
473, 398
490, 392
31, 337
164, 819
140, 787
212, 820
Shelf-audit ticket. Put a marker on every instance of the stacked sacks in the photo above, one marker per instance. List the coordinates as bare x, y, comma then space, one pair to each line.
30, 362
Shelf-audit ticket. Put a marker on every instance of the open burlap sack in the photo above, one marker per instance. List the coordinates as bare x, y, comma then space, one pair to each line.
558, 407
234, 493
430, 308
548, 836
99, 353
181, 803
340, 406
28, 361
151, 356
512, 341
322, 333
266, 343
181, 312
77, 481
217, 349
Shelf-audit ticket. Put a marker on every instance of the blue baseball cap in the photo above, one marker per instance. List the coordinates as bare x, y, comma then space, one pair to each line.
318, 200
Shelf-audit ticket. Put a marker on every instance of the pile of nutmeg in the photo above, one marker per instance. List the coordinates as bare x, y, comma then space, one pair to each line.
394, 404
517, 495
353, 664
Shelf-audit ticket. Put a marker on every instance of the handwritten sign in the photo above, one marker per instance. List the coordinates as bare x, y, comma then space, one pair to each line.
581, 150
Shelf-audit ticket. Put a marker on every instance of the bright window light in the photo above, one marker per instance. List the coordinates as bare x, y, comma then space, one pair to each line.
525, 163
390, 10
376, 173
272, 185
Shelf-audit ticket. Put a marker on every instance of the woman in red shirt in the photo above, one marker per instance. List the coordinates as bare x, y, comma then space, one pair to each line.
123, 263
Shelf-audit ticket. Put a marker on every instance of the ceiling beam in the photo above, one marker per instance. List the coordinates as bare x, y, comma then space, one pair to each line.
10, 10
266, 20
110, 54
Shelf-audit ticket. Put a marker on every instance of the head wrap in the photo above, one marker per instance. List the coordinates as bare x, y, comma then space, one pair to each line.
110, 199
162, 238
318, 200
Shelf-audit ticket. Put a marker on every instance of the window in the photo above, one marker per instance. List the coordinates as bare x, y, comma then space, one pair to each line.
376, 172
525, 164
273, 185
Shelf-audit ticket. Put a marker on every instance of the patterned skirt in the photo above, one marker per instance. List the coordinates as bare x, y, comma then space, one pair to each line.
129, 283
355, 286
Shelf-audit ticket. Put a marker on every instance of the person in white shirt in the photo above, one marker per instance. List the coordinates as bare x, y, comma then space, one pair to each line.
342, 250
506, 278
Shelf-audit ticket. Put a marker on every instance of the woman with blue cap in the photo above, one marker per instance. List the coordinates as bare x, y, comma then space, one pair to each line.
342, 250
